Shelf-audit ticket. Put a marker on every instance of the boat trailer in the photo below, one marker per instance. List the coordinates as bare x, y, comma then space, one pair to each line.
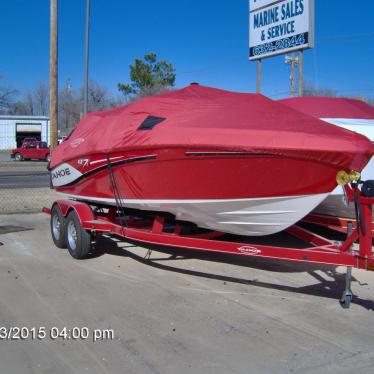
74, 224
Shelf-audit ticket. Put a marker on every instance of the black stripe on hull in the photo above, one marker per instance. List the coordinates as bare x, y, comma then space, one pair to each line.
113, 164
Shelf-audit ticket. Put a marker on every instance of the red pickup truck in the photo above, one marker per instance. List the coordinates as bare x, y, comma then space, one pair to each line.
31, 150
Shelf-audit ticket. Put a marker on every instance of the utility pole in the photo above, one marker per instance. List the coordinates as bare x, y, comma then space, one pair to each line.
53, 74
301, 73
86, 55
293, 60
259, 68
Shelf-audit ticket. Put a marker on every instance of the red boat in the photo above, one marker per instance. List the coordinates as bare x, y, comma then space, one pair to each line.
231, 162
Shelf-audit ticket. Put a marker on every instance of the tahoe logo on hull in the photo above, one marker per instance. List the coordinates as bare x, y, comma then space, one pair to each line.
64, 174
60, 173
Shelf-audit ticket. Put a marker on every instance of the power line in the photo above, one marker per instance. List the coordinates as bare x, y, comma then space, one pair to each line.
344, 37
338, 91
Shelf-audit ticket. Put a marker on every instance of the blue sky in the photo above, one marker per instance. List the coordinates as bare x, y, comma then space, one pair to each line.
206, 40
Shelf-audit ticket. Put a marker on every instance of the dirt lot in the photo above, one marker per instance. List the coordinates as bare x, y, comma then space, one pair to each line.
200, 314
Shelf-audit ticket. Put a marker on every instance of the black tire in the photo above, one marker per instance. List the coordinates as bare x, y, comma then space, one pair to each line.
77, 238
48, 157
18, 157
58, 227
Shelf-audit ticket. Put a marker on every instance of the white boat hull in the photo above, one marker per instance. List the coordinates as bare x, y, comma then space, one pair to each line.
250, 217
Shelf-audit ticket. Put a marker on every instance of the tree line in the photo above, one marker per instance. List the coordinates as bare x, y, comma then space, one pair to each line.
148, 76
311, 90
35, 102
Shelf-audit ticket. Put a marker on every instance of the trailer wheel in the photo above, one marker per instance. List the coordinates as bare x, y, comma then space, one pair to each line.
78, 239
58, 227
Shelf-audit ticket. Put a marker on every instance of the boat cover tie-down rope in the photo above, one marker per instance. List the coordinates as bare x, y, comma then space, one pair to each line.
117, 196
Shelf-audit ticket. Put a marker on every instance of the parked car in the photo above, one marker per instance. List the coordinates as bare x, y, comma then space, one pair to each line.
31, 150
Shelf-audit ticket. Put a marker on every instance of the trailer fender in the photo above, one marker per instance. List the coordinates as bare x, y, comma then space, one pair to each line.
83, 210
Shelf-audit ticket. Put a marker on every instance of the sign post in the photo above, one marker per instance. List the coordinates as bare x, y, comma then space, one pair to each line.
259, 63
301, 73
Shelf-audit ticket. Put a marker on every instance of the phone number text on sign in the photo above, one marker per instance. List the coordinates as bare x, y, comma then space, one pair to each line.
296, 42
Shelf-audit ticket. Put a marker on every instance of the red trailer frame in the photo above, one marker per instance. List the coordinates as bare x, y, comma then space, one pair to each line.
155, 230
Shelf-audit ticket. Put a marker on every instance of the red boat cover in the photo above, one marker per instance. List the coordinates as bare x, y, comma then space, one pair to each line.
330, 107
203, 118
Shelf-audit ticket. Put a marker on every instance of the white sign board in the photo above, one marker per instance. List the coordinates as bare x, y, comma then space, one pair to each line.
280, 26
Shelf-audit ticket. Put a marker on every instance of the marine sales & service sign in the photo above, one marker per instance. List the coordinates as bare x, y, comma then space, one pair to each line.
277, 27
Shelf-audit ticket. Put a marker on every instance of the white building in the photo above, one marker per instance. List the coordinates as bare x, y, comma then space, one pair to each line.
13, 129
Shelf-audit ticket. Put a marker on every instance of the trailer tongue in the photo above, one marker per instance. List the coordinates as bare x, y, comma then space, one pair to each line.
75, 224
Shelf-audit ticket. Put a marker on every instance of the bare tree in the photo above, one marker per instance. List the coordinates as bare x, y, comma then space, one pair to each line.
37, 100
311, 90
41, 101
98, 98
7, 95
367, 100
29, 103
70, 105
68, 109
18, 108
117, 100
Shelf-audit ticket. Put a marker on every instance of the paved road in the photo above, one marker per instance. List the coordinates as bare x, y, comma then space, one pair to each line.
201, 314
25, 174
23, 179
5, 160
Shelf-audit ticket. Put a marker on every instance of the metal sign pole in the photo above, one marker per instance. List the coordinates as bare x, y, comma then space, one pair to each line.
259, 68
301, 73
293, 65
